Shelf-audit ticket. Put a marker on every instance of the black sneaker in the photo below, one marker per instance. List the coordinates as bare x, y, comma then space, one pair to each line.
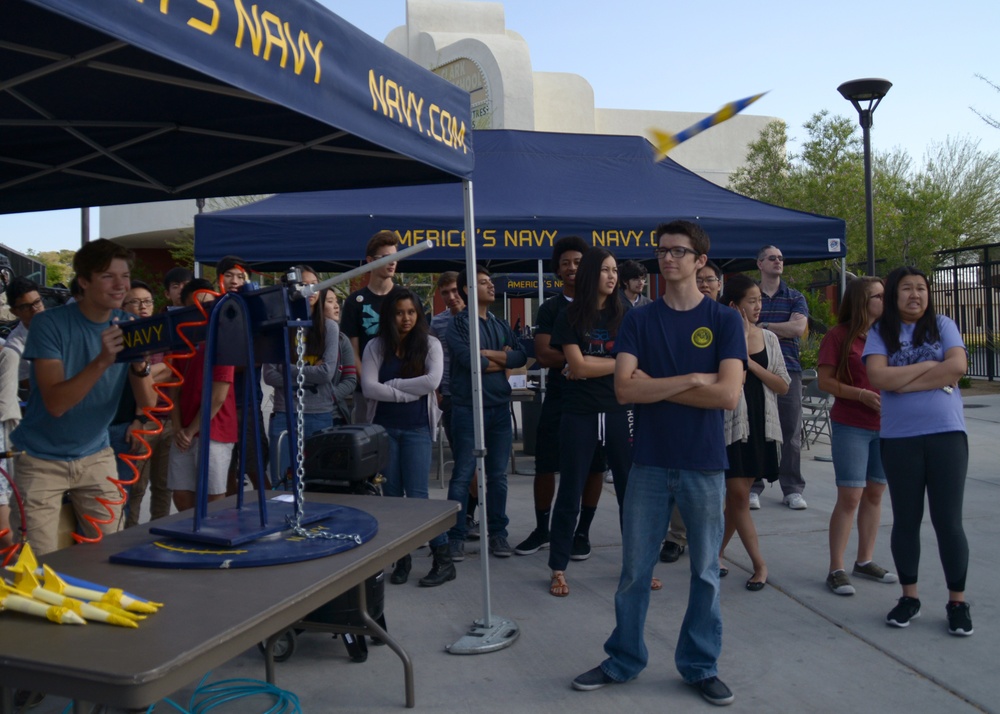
671, 551
471, 528
499, 547
456, 549
581, 547
714, 691
533, 543
908, 608
959, 619
592, 679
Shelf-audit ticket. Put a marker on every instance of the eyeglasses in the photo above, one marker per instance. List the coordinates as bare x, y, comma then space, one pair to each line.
677, 252
775, 258
36, 305
136, 302
706, 281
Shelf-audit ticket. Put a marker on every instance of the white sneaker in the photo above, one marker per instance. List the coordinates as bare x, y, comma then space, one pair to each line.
795, 502
609, 477
754, 502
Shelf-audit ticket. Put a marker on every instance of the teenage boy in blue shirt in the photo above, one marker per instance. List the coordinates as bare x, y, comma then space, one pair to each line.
681, 362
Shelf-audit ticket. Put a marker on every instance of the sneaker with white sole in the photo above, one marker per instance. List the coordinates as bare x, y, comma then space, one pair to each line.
795, 502
959, 619
592, 679
908, 608
609, 477
874, 571
839, 583
754, 502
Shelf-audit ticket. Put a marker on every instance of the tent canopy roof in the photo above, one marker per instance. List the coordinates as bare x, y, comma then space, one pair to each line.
121, 102
530, 188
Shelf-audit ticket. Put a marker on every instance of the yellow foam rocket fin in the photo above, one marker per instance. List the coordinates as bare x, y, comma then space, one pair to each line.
25, 581
53, 583
663, 142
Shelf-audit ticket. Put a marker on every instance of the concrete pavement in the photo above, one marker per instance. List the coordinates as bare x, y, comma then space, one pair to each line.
794, 646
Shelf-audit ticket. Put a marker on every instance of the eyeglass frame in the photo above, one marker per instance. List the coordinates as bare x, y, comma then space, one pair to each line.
35, 305
144, 302
660, 253
707, 281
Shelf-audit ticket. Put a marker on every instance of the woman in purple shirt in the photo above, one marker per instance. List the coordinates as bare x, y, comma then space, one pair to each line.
916, 358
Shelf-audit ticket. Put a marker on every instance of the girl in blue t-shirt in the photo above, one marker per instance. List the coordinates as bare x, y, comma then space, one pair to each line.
916, 358
591, 415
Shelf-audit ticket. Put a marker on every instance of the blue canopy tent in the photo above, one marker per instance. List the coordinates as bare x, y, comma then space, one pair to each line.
531, 189
121, 101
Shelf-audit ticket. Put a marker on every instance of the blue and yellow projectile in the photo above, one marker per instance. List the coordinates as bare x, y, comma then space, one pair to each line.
664, 142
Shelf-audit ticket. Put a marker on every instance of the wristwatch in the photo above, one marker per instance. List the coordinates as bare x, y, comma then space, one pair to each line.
765, 325
144, 372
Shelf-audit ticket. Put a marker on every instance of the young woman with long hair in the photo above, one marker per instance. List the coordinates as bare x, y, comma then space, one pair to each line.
753, 429
916, 357
322, 361
346, 380
857, 464
401, 368
591, 414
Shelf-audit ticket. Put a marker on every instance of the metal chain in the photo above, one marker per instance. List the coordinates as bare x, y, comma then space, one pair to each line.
300, 392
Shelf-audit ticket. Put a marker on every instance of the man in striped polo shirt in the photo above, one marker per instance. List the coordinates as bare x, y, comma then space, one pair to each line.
784, 312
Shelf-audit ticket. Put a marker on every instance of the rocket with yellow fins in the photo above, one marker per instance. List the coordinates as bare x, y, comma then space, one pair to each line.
27, 584
664, 142
11, 599
108, 599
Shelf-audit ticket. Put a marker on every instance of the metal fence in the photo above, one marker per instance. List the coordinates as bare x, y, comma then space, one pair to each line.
967, 289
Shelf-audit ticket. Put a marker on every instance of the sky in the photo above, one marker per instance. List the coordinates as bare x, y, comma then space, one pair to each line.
695, 57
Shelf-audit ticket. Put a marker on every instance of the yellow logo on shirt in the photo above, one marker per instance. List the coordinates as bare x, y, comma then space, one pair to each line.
702, 337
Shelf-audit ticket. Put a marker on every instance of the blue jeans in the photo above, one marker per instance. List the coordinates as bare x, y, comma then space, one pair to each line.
651, 495
408, 469
282, 462
497, 437
856, 456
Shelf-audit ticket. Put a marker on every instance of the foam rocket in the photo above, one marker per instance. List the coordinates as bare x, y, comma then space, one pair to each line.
11, 599
664, 142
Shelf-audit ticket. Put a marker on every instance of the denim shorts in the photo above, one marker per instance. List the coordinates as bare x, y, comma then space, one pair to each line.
856, 457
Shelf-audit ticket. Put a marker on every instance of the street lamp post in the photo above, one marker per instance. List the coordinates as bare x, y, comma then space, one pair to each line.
871, 92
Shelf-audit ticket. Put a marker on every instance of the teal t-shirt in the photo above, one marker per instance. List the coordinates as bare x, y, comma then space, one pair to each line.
66, 335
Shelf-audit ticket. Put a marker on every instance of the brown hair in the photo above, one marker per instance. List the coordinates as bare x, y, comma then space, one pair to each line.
447, 278
96, 257
381, 240
697, 234
854, 314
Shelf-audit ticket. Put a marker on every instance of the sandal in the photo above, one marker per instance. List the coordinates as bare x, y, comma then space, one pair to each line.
656, 584
558, 586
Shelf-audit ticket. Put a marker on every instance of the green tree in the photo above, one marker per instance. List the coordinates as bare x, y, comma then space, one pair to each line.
58, 265
952, 201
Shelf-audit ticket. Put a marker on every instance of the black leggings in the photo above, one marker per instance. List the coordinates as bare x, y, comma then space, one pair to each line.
578, 440
935, 463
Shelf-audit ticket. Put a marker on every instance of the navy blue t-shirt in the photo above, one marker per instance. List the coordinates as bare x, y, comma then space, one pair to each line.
596, 394
399, 415
669, 343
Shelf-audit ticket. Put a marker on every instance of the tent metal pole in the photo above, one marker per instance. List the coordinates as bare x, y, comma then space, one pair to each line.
491, 633
843, 277
541, 299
